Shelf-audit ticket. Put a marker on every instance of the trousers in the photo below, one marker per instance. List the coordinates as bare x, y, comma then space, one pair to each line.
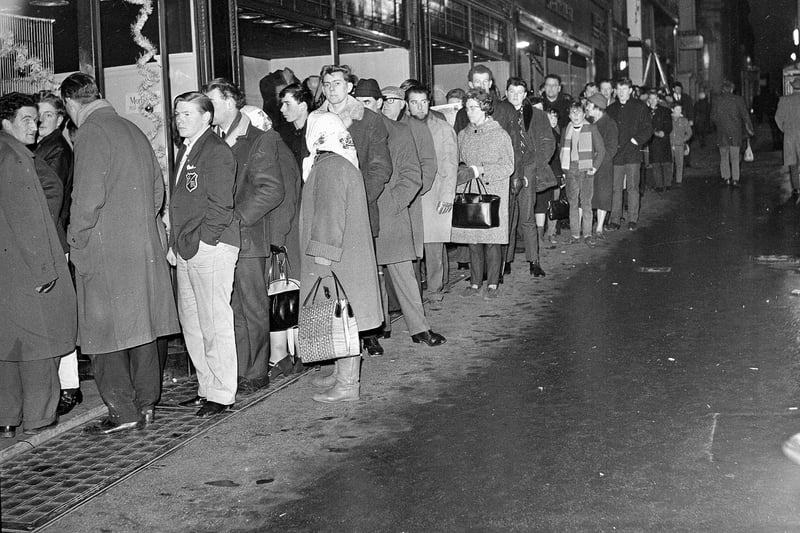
29, 392
485, 258
527, 223
407, 292
625, 176
250, 305
729, 162
437, 267
129, 380
205, 284
580, 190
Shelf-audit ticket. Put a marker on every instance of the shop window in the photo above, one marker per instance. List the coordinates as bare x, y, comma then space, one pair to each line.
489, 32
313, 8
531, 67
450, 68
384, 16
448, 19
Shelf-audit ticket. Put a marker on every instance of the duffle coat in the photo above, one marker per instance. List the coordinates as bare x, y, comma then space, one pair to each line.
334, 225
125, 296
33, 325
489, 146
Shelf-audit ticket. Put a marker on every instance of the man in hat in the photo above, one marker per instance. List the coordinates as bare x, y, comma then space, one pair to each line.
787, 117
604, 177
394, 247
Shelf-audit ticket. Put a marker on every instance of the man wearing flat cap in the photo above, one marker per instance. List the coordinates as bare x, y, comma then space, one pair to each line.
604, 177
787, 117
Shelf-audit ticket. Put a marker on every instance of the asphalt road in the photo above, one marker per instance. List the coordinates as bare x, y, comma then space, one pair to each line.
644, 385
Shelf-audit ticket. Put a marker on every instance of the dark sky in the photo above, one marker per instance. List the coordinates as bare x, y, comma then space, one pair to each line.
773, 22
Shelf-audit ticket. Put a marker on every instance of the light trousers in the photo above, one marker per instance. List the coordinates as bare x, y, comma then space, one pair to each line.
580, 190
437, 267
406, 289
677, 162
205, 285
729, 162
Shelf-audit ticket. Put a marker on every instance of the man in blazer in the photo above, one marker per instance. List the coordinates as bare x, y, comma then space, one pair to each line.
259, 190
204, 246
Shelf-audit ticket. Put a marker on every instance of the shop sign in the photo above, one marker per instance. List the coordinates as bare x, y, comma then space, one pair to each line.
133, 104
562, 8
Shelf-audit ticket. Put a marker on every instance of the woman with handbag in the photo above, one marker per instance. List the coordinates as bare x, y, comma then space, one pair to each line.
336, 243
486, 149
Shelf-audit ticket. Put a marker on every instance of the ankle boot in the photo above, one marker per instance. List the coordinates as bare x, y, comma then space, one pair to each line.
347, 386
326, 382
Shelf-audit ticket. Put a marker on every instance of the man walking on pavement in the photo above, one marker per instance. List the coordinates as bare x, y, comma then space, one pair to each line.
787, 117
732, 120
125, 298
258, 190
635, 129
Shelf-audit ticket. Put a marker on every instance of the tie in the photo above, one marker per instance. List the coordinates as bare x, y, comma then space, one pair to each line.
521, 123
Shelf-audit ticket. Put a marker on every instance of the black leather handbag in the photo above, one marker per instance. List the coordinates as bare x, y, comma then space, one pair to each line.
284, 292
476, 210
558, 209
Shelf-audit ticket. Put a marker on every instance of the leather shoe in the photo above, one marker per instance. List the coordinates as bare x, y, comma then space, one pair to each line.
507, 268
536, 270
194, 402
68, 400
463, 266
372, 345
7, 432
210, 409
109, 427
429, 337
149, 416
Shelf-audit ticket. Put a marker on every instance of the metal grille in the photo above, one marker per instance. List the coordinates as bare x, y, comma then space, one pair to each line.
26, 53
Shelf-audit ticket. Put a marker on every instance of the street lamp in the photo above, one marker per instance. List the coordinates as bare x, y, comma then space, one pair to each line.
793, 57
796, 37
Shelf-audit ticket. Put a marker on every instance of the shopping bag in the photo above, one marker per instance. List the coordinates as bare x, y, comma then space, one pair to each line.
327, 325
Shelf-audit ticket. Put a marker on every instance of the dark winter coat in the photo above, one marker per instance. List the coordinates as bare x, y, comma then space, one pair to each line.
731, 118
125, 296
604, 177
259, 184
634, 123
396, 242
33, 325
56, 152
661, 147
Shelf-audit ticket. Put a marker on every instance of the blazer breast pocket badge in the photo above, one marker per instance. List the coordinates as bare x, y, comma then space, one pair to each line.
191, 181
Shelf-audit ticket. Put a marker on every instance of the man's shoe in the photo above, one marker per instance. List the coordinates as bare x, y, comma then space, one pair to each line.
536, 270
490, 294
463, 266
507, 268
735, 184
553, 241
197, 401
285, 367
572, 240
68, 400
429, 337
470, 291
632, 226
211, 409
40, 429
612, 227
8, 432
590, 240
372, 346
109, 427
599, 236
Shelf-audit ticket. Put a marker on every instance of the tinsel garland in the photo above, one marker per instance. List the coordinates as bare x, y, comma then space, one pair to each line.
35, 73
149, 89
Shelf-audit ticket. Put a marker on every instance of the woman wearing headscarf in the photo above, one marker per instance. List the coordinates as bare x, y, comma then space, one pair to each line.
335, 237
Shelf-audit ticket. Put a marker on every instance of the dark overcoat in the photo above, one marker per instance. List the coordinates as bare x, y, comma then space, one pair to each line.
396, 240
661, 147
730, 116
125, 296
33, 325
56, 152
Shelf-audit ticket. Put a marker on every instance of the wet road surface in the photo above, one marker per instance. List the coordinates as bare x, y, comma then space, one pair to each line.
612, 396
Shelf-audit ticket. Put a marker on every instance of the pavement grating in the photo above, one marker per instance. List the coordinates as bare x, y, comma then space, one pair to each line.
39, 486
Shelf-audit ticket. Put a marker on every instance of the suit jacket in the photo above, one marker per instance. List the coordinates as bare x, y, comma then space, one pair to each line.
201, 205
729, 114
259, 184
634, 123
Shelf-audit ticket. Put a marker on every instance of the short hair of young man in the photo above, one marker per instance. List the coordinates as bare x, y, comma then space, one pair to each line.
80, 87
228, 90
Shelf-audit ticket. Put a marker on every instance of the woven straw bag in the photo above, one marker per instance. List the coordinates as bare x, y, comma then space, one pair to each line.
327, 325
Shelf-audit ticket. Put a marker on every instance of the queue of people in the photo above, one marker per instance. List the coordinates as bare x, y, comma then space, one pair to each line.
359, 183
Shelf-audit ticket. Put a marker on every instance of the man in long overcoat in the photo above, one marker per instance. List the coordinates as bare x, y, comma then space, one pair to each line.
125, 298
732, 120
787, 118
37, 318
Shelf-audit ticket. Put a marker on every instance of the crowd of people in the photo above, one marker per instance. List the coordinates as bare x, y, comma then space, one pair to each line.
350, 178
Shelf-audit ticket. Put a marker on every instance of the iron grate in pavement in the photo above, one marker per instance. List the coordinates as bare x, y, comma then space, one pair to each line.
39, 486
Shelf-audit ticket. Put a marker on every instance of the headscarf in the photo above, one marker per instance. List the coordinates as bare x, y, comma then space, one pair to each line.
325, 132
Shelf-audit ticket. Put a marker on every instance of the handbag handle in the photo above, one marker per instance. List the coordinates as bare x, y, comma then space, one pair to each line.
338, 285
279, 262
480, 184
313, 292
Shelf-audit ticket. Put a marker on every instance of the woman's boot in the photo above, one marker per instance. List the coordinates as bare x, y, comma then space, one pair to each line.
346, 388
326, 382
